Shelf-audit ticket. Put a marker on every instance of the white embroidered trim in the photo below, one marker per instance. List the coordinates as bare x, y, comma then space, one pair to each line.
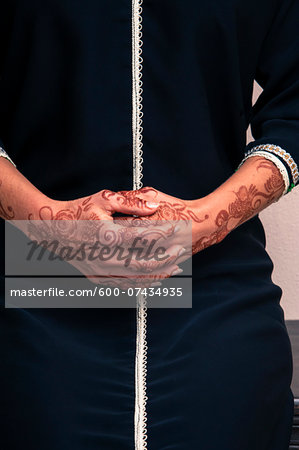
281, 167
283, 154
140, 416
140, 376
5, 155
137, 91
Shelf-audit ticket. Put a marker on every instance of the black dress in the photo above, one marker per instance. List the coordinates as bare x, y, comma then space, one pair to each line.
220, 372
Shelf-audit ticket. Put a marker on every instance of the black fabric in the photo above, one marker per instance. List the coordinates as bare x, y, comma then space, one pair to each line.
219, 373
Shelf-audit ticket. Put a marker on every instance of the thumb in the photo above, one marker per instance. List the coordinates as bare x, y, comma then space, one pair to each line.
129, 204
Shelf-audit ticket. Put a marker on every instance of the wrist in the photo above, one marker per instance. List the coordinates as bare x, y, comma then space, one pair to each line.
209, 205
45, 208
203, 212
213, 210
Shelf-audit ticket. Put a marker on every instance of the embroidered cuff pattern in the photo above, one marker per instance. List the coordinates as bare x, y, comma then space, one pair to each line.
5, 155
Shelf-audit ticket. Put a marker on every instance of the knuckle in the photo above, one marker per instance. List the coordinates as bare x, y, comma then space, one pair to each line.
106, 194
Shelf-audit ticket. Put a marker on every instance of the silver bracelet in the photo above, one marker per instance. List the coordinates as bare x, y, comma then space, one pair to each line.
5, 155
280, 166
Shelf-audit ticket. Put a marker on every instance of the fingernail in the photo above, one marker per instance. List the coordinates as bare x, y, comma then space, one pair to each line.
182, 251
177, 271
157, 283
176, 229
152, 205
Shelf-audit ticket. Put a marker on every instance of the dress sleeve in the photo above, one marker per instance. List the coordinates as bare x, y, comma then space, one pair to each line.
275, 115
3, 154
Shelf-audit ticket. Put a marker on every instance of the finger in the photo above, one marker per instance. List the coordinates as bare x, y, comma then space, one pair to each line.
146, 192
151, 194
130, 204
168, 271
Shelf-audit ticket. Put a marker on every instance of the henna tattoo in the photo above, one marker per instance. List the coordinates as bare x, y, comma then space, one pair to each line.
176, 211
145, 190
78, 235
275, 183
46, 212
125, 198
250, 200
8, 212
62, 225
166, 210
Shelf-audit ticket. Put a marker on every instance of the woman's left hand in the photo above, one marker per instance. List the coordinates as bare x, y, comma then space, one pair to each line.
207, 225
250, 189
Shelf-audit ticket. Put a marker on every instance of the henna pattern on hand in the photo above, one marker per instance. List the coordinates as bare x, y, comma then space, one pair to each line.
166, 210
46, 212
176, 211
136, 193
82, 222
125, 198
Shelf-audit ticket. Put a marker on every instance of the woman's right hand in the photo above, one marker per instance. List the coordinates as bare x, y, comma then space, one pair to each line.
88, 220
102, 245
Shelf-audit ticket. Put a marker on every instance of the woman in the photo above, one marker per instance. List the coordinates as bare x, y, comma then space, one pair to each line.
219, 372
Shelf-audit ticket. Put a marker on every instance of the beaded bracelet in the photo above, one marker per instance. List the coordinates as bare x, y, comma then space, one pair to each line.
5, 155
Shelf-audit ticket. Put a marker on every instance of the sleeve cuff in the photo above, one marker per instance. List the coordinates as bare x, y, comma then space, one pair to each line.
278, 164
3, 154
284, 157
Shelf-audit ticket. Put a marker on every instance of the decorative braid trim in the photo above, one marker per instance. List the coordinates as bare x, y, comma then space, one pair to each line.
137, 91
140, 376
281, 167
140, 416
283, 154
5, 155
